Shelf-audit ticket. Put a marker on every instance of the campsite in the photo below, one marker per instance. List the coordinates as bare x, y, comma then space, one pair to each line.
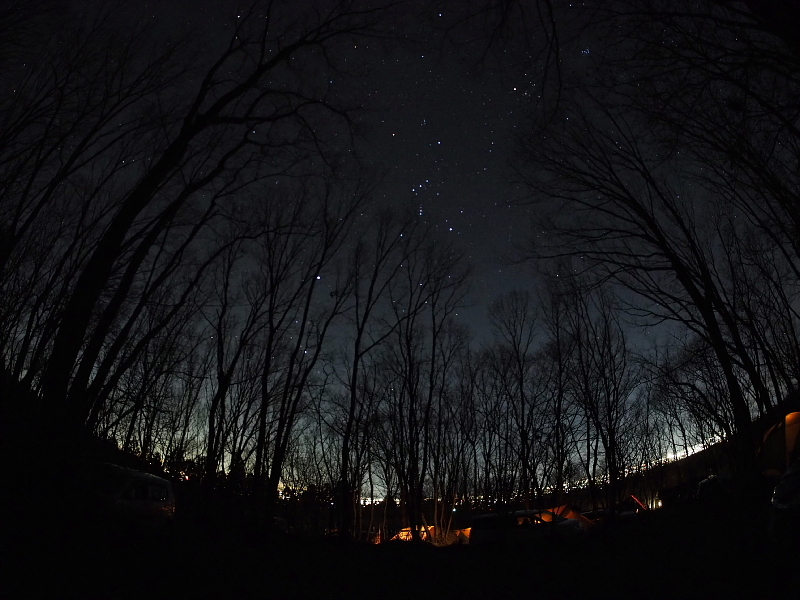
119, 533
689, 551
691, 540
344, 299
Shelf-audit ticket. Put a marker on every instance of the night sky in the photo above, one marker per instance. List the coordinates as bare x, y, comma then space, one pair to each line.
441, 121
446, 138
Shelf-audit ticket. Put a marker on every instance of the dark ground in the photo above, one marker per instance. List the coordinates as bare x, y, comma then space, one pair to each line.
683, 553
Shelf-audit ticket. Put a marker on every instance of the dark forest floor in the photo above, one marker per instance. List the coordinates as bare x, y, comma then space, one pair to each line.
667, 554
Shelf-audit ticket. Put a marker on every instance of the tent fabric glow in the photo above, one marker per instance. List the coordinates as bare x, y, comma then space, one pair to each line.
425, 533
569, 512
779, 447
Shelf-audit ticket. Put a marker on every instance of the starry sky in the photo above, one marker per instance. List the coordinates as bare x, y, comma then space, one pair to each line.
441, 123
446, 135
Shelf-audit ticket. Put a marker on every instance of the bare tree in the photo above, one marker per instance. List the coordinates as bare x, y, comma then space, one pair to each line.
554, 359
433, 288
679, 183
377, 259
302, 275
125, 156
622, 212
603, 385
516, 327
231, 334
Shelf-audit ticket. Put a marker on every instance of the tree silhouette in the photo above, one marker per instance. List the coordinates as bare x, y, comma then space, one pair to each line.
124, 155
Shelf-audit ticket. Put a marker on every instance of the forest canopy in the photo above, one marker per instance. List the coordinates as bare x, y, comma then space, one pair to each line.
195, 266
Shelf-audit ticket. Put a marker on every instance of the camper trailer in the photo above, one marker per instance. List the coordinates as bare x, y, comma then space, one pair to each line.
522, 527
127, 500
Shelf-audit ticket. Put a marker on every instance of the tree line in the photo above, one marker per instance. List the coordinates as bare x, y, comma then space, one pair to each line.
194, 266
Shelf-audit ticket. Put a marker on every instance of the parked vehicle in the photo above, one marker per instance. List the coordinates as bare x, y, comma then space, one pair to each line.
523, 526
126, 500
779, 456
785, 505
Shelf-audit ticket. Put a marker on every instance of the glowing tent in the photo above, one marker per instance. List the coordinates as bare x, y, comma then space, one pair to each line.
779, 447
569, 512
425, 534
